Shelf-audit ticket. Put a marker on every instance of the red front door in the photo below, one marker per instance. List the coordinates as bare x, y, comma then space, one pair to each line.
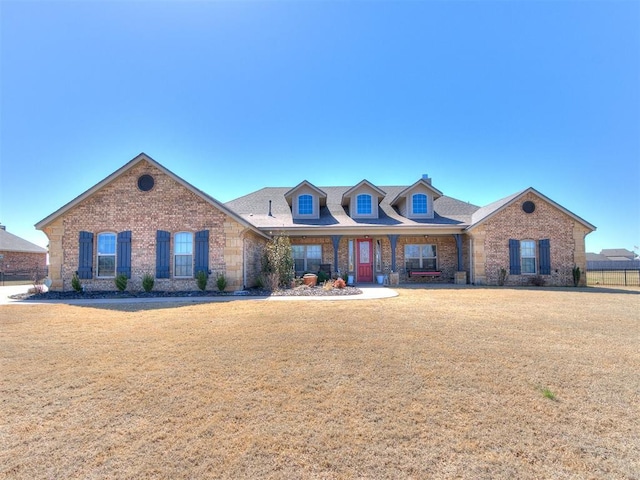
364, 260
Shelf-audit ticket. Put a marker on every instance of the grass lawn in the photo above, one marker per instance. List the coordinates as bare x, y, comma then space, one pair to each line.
436, 383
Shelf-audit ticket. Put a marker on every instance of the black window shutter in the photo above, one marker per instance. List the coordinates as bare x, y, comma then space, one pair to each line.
85, 255
544, 251
163, 253
124, 254
202, 251
514, 257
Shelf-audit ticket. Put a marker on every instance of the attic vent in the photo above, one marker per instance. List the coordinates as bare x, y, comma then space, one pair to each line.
145, 183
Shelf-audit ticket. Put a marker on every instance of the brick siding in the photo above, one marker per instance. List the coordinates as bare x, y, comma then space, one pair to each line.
169, 206
491, 242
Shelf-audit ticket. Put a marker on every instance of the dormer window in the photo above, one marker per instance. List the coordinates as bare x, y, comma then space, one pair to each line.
363, 204
419, 204
305, 205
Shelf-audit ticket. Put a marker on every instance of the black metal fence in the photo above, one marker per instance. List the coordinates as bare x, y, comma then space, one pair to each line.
9, 277
625, 277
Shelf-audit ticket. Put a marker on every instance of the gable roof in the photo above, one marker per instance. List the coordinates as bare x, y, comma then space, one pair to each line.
142, 157
484, 213
322, 195
346, 195
12, 243
437, 193
617, 254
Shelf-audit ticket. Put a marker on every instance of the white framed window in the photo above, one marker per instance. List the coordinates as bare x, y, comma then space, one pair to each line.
419, 204
420, 257
106, 252
351, 266
183, 254
306, 258
528, 256
363, 204
378, 256
305, 204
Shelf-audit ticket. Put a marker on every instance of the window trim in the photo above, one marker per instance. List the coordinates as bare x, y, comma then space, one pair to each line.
175, 254
413, 205
370, 205
312, 205
114, 254
305, 256
534, 249
422, 258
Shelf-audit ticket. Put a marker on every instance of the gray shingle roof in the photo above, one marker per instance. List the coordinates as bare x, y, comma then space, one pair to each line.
12, 243
254, 208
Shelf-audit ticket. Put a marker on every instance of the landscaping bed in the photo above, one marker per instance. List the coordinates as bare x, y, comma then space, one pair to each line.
99, 295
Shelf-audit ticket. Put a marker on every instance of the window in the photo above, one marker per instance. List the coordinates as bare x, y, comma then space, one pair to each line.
183, 254
305, 205
378, 256
307, 258
419, 204
363, 204
107, 255
420, 257
528, 256
351, 266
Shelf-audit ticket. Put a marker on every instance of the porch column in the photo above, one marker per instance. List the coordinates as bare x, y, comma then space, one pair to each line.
393, 239
458, 238
336, 241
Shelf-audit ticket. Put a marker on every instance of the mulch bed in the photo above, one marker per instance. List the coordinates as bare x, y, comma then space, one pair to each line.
302, 291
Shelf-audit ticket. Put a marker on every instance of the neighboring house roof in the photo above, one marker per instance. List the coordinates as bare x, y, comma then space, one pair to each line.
596, 257
143, 157
254, 207
12, 243
484, 213
617, 254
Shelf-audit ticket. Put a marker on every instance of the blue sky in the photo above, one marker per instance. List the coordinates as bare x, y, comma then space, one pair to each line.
488, 98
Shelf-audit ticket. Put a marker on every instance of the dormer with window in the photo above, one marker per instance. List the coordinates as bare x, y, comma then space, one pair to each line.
363, 200
416, 202
305, 201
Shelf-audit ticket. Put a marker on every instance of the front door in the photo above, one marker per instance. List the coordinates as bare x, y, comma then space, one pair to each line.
365, 260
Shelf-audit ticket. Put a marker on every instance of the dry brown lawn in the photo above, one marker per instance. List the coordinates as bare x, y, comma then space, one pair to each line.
436, 383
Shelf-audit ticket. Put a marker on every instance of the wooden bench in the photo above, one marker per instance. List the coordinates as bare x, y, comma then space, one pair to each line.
424, 273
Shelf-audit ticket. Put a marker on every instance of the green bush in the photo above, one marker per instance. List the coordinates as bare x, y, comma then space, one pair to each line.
323, 277
221, 282
75, 283
121, 281
576, 276
202, 278
502, 276
148, 282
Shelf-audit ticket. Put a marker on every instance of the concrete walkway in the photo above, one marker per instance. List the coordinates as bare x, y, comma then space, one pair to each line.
369, 292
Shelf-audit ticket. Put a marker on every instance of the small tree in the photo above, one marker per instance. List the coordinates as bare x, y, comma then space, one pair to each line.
121, 281
221, 281
202, 278
576, 275
277, 260
148, 282
75, 283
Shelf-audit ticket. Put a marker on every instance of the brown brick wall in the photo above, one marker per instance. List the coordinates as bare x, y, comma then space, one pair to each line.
24, 262
121, 206
566, 236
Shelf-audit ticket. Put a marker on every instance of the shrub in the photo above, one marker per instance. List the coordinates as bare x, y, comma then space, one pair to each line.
323, 277
221, 281
148, 282
202, 278
121, 281
576, 276
537, 280
75, 283
502, 276
277, 259
339, 283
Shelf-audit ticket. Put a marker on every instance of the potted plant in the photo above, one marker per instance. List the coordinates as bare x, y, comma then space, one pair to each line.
310, 279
